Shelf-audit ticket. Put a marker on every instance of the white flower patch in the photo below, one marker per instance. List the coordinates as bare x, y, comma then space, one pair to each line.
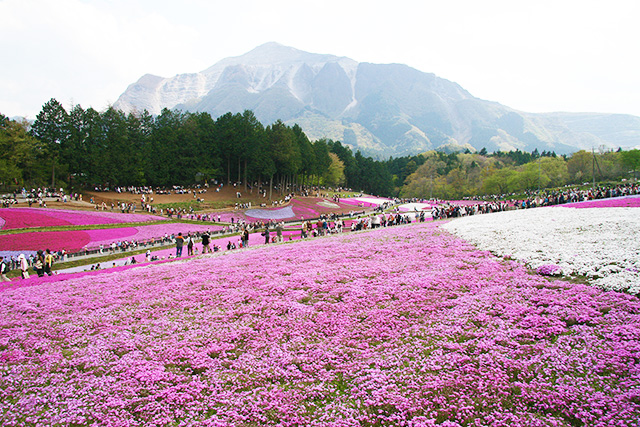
415, 207
601, 244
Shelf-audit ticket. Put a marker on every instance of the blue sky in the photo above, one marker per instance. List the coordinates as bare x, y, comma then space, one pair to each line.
535, 56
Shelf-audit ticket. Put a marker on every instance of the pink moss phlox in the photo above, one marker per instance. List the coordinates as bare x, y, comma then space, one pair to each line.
76, 240
616, 202
71, 241
398, 326
37, 217
549, 270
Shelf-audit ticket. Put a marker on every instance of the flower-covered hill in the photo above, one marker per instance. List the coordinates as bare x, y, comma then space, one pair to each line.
76, 240
13, 218
399, 326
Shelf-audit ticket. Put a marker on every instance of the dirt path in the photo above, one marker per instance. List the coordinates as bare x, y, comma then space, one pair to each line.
212, 201
224, 199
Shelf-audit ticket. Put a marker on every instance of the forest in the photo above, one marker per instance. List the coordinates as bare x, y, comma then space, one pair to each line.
86, 148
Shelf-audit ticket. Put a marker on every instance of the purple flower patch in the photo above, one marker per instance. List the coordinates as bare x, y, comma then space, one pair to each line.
549, 270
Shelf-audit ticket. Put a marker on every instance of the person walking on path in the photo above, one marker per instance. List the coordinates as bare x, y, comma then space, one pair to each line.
265, 233
279, 229
189, 244
24, 266
48, 263
38, 265
179, 245
206, 239
245, 238
3, 270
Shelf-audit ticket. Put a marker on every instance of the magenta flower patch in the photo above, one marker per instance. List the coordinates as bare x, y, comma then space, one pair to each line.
617, 202
37, 217
29, 218
549, 270
75, 240
297, 209
71, 241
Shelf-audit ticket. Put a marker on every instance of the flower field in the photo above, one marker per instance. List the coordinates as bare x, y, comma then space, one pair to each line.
601, 244
398, 326
76, 240
13, 218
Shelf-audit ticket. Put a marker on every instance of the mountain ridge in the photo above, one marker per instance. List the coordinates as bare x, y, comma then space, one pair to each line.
381, 109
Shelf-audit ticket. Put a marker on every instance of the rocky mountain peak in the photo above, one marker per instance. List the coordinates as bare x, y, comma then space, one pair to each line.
381, 109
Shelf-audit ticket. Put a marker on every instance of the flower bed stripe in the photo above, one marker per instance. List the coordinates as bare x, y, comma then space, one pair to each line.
38, 217
76, 240
617, 202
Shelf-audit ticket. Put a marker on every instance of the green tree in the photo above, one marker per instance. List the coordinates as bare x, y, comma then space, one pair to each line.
334, 176
51, 127
250, 135
351, 170
118, 157
18, 152
164, 148
456, 184
209, 166
631, 159
580, 166
284, 152
500, 182
555, 169
225, 139
321, 157
307, 152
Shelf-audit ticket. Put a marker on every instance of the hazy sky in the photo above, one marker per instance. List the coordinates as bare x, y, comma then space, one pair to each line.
535, 55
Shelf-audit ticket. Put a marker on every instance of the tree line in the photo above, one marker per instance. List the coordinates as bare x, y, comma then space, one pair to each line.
457, 175
84, 148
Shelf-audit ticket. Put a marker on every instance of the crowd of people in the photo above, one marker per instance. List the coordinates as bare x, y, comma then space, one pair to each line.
573, 195
37, 196
534, 200
449, 210
272, 230
41, 263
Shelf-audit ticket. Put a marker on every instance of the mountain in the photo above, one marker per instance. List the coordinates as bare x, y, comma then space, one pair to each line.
381, 109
